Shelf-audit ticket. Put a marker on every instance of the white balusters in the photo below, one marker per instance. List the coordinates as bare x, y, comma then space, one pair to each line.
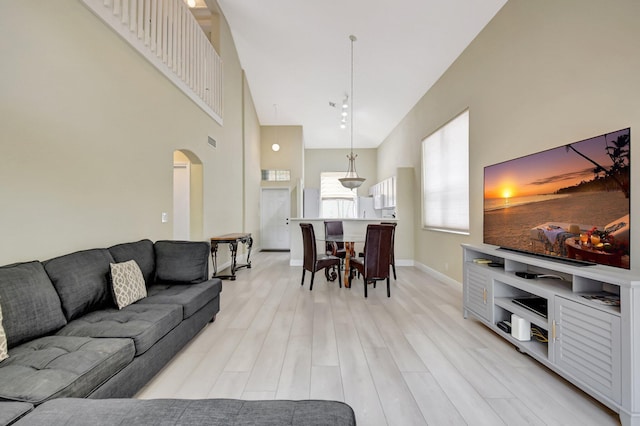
166, 33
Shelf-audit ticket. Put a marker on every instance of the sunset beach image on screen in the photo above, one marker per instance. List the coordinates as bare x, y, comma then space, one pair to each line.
559, 202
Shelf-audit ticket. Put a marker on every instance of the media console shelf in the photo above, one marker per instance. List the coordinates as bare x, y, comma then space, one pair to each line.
591, 323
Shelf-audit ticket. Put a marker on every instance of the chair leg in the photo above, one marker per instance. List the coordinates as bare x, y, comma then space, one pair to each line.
388, 288
302, 281
393, 265
365, 287
339, 276
313, 274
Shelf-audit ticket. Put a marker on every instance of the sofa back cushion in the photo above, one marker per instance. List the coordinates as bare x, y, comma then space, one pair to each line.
142, 253
82, 281
182, 262
30, 305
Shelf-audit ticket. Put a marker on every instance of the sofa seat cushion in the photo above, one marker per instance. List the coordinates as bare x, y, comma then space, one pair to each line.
191, 297
12, 411
59, 366
30, 305
82, 280
145, 324
212, 412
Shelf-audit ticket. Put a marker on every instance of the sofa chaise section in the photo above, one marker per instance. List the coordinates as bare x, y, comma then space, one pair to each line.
213, 412
42, 366
60, 366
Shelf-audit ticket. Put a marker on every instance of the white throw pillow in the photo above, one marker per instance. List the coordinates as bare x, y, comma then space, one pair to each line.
4, 352
128, 283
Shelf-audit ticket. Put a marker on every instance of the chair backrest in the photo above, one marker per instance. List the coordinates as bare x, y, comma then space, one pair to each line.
393, 239
333, 228
377, 251
309, 246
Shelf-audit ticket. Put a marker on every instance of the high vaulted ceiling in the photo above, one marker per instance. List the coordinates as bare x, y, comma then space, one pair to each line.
296, 56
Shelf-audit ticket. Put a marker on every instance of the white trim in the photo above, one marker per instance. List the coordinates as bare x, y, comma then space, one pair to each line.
437, 275
405, 262
399, 262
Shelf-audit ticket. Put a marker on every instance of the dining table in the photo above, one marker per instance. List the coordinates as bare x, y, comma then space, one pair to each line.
349, 241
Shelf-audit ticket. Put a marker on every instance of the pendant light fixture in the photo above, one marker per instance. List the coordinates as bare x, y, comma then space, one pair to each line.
351, 179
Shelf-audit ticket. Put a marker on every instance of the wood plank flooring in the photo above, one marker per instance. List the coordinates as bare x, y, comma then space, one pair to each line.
411, 359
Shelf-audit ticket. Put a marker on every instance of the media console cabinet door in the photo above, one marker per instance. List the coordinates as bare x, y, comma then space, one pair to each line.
477, 292
587, 346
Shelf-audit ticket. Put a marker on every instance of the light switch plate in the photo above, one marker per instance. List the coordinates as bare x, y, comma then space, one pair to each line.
165, 217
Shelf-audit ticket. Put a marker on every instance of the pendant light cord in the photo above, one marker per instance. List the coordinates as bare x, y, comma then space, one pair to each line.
353, 113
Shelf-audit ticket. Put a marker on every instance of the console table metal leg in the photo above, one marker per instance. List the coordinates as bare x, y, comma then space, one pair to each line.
249, 244
214, 258
234, 250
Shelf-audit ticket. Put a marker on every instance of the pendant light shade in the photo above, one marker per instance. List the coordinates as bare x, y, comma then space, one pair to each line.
351, 179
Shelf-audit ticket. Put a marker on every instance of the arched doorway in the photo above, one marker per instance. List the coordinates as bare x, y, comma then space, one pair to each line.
187, 196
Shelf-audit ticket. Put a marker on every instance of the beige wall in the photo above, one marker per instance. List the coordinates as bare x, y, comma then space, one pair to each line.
88, 129
251, 167
541, 74
317, 161
289, 157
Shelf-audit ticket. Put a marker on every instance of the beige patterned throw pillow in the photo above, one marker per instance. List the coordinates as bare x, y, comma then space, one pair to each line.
4, 352
128, 283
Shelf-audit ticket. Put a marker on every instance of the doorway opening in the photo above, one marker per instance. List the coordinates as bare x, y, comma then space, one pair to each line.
188, 202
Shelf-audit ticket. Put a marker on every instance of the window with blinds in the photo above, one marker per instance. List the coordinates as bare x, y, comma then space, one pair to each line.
336, 201
445, 177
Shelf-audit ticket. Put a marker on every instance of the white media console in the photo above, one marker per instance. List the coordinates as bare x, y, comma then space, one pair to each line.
595, 346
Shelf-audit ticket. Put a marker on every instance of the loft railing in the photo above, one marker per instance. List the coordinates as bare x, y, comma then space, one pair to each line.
166, 33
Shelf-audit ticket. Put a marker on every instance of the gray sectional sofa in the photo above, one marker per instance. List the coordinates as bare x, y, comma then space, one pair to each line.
67, 338
75, 358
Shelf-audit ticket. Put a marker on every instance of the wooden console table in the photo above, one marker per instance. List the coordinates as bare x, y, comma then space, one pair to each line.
232, 240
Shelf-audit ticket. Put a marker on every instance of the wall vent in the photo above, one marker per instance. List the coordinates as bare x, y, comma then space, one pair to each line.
212, 141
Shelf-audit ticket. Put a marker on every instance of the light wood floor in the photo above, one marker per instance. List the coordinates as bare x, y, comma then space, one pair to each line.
408, 360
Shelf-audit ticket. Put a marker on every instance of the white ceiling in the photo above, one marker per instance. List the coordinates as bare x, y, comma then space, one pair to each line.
296, 55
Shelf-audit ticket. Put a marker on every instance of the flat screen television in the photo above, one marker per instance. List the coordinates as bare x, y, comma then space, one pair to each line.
571, 203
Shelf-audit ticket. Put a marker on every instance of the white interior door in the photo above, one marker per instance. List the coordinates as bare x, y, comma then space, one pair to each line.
181, 201
275, 209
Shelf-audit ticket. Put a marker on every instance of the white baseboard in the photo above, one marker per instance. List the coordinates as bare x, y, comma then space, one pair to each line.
399, 262
436, 274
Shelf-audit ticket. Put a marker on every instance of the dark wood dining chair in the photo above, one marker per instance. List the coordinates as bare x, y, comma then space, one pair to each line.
392, 257
311, 261
333, 228
375, 264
